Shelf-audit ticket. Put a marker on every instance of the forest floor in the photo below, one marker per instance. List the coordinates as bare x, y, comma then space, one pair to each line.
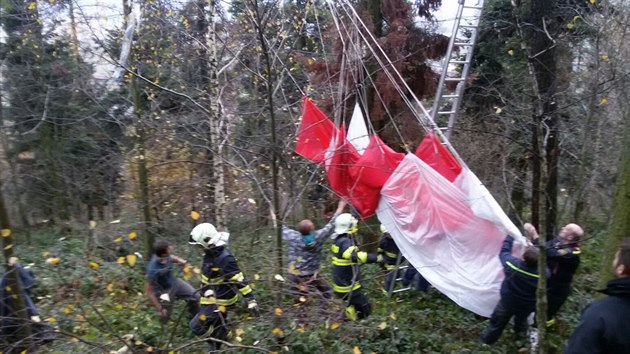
96, 301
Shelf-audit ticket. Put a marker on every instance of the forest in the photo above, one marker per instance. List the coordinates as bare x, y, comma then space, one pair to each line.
127, 122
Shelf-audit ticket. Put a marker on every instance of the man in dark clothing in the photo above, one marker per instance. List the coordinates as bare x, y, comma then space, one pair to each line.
518, 291
346, 259
389, 251
304, 254
222, 279
163, 287
8, 323
604, 327
563, 259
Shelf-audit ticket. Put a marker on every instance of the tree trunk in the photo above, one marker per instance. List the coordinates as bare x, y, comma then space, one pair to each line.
209, 65
143, 174
619, 227
538, 28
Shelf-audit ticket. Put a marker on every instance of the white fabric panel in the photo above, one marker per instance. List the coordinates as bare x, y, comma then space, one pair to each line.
357, 130
484, 205
438, 232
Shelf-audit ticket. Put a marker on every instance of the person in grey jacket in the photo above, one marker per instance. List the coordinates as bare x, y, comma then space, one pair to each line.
305, 247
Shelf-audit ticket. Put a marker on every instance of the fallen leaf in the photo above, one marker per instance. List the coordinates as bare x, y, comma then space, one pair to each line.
356, 350
132, 235
6, 232
382, 325
277, 311
194, 215
110, 287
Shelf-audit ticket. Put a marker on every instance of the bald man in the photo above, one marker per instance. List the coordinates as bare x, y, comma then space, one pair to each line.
563, 259
305, 247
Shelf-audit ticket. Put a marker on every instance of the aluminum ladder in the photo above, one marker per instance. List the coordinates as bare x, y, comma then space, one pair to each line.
458, 58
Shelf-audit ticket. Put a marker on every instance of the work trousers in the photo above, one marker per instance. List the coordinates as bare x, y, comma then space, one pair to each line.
209, 315
500, 318
557, 294
358, 300
181, 290
305, 288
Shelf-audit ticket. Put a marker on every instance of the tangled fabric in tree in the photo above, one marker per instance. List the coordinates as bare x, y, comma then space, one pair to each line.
435, 228
437, 156
315, 133
340, 155
370, 173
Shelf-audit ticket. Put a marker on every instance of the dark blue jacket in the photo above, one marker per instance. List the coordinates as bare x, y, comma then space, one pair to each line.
518, 290
346, 259
605, 323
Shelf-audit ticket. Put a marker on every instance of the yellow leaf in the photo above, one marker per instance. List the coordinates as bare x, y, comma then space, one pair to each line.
356, 350
256, 277
120, 260
392, 316
131, 259
300, 329
278, 311
8, 247
94, 265
51, 319
278, 332
604, 57
278, 277
6, 232
23, 351
604, 101
593, 1
150, 350
335, 325
118, 307
32, 6
118, 239
510, 52
79, 318
132, 235
302, 298
239, 332
67, 310
110, 287
202, 317
382, 325
194, 215
75, 340
46, 254
92, 224
53, 261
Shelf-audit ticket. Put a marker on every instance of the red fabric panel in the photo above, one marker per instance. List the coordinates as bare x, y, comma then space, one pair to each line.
339, 158
434, 154
376, 164
315, 132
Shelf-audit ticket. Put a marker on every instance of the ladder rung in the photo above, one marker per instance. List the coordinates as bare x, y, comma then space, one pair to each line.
468, 26
401, 290
462, 44
458, 62
450, 96
473, 7
446, 112
455, 79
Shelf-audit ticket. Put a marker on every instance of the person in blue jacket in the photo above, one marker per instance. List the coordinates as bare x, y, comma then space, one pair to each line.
518, 291
604, 326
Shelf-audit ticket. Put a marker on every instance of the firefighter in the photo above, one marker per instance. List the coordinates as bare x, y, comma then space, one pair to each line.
389, 250
345, 273
222, 281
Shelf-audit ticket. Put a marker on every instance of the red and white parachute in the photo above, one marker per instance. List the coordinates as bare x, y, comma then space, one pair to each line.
445, 222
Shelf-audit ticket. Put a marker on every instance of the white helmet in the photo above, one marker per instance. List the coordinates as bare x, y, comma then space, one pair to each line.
344, 223
383, 229
205, 235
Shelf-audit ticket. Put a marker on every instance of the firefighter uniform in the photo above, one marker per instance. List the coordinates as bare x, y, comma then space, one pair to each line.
222, 281
345, 273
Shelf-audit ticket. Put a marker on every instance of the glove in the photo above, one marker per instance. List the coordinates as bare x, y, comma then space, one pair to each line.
380, 261
252, 307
